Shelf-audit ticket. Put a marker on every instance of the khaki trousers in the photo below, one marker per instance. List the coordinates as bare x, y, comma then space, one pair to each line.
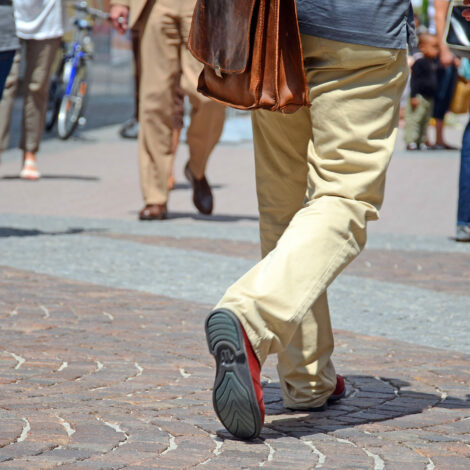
39, 57
320, 177
164, 30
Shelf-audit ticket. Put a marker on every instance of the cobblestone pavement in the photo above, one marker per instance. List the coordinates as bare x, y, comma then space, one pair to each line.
95, 377
103, 362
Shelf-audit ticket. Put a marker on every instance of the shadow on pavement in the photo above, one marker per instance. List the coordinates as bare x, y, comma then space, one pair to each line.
179, 186
369, 399
174, 215
20, 232
211, 218
56, 177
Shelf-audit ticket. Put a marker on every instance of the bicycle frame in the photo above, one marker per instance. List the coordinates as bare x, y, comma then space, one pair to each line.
77, 55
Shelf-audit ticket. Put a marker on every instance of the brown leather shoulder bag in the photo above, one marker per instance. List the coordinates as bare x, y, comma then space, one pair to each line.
251, 52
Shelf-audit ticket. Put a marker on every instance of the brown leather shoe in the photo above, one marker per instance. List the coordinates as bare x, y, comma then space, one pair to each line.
153, 212
202, 194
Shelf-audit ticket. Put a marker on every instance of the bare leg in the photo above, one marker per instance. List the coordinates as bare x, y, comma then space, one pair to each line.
31, 156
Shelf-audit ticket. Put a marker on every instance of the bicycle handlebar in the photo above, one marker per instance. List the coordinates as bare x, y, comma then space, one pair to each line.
83, 6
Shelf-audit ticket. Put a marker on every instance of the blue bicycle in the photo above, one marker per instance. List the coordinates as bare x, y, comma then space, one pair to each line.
69, 84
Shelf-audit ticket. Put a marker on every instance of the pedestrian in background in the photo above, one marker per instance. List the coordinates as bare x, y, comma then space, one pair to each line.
8, 41
130, 129
463, 204
423, 87
446, 72
40, 26
320, 176
163, 30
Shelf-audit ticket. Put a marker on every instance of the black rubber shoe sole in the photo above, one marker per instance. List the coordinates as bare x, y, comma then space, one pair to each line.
233, 394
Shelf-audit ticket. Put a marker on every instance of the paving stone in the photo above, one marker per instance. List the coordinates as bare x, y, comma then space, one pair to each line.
451, 462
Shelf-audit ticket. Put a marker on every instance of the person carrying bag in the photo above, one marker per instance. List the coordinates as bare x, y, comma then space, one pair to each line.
320, 175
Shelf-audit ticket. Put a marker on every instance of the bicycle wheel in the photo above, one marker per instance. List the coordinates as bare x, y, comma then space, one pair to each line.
72, 105
53, 102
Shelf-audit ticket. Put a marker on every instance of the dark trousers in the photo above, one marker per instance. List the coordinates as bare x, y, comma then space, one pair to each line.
446, 79
6, 59
463, 212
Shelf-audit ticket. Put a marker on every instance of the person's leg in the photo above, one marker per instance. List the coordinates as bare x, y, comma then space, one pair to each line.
446, 78
207, 116
204, 131
137, 69
355, 94
413, 118
8, 100
159, 44
6, 61
463, 211
427, 105
39, 57
284, 139
130, 129
178, 124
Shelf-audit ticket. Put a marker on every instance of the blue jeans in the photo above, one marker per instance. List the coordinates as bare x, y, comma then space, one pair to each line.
446, 80
463, 214
6, 59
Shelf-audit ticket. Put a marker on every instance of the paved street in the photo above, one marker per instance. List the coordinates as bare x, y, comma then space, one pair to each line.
103, 362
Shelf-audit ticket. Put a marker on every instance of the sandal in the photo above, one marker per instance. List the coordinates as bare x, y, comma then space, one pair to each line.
30, 171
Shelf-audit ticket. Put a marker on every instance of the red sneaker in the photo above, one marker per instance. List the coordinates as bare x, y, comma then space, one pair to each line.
237, 394
339, 391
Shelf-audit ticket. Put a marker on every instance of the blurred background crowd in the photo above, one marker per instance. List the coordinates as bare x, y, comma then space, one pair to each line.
62, 53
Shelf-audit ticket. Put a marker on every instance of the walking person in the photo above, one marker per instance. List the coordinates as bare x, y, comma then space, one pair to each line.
130, 129
8, 41
320, 175
40, 26
446, 73
163, 29
463, 204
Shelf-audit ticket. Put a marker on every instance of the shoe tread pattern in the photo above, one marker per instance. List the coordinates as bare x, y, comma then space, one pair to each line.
234, 401
221, 327
233, 405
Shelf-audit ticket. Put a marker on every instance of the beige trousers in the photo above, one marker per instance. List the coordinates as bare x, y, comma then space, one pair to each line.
39, 57
164, 30
417, 120
320, 177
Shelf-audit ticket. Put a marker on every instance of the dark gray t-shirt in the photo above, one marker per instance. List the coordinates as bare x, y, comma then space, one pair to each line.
8, 39
380, 23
